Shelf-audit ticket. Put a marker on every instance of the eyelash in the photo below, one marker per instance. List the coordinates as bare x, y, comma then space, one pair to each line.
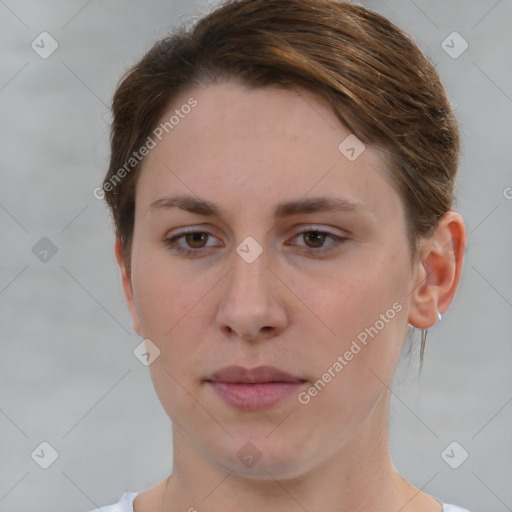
172, 245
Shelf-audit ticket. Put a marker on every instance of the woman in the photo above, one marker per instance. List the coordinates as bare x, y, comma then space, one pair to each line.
281, 183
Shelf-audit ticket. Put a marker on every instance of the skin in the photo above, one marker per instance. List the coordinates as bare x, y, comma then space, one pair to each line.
247, 150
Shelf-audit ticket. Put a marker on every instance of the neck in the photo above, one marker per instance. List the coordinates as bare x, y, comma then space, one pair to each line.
359, 477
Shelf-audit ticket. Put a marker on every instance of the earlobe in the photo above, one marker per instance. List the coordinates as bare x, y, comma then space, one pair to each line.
438, 272
127, 286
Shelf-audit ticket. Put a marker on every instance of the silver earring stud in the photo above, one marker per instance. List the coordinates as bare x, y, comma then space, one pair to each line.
439, 316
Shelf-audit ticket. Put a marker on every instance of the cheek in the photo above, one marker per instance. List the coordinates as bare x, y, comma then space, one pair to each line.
353, 298
174, 308
363, 307
172, 312
163, 294
350, 367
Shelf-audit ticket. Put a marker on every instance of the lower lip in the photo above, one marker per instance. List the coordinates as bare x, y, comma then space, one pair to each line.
254, 397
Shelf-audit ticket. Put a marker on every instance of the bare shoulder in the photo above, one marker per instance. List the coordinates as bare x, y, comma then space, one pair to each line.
150, 499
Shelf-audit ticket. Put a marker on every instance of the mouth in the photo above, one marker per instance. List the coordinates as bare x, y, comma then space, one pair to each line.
253, 389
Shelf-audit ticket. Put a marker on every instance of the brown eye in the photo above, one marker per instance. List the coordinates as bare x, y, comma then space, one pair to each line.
189, 243
196, 240
317, 238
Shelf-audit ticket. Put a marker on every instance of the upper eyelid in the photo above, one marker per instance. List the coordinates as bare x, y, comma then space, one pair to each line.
305, 228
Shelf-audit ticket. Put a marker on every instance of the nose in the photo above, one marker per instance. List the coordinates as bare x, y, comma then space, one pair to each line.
252, 306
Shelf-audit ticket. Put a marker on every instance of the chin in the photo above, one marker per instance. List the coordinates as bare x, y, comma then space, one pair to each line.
263, 458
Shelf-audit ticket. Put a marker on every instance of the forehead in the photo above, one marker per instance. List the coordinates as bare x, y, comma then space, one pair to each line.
265, 145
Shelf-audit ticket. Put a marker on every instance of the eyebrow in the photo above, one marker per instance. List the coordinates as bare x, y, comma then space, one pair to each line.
284, 209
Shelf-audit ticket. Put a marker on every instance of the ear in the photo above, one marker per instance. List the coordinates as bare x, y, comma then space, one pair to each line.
438, 272
126, 283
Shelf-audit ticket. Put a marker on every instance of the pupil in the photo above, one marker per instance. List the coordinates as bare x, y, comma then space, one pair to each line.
197, 237
319, 236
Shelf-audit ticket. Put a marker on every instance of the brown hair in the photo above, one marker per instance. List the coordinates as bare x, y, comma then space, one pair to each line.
377, 81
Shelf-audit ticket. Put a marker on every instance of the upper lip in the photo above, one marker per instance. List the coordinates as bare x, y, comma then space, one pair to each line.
260, 374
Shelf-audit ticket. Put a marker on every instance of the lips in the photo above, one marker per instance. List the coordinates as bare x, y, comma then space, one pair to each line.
253, 389
260, 374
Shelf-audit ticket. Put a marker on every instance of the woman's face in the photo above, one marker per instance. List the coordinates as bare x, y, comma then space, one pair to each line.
258, 289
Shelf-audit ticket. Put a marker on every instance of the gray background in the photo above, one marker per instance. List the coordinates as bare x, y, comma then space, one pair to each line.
68, 373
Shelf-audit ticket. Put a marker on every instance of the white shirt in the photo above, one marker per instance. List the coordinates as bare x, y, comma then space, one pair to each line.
125, 504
